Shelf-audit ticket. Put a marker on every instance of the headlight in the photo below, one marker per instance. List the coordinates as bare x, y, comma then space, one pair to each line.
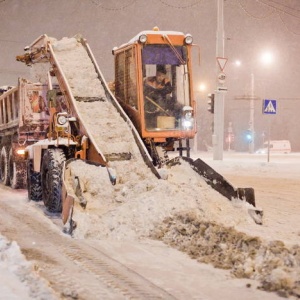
188, 119
143, 38
188, 115
62, 120
188, 39
21, 151
188, 124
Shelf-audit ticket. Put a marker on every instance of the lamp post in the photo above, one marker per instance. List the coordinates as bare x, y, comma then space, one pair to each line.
251, 117
218, 134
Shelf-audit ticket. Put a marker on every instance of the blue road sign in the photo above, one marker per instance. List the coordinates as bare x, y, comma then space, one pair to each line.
269, 107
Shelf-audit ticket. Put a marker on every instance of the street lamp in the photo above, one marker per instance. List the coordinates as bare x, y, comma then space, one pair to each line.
267, 58
202, 87
237, 63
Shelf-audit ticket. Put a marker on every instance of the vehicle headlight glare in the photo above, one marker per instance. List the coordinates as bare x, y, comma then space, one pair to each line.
143, 38
62, 120
188, 39
21, 151
188, 115
187, 124
188, 121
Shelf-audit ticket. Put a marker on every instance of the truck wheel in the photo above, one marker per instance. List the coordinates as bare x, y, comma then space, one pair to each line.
4, 176
17, 172
34, 183
52, 179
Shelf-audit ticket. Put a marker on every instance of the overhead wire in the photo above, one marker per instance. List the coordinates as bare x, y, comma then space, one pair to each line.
286, 6
286, 27
99, 4
164, 2
280, 12
279, 9
275, 9
243, 7
181, 6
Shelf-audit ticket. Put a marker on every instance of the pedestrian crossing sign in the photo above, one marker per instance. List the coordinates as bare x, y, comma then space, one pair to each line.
269, 107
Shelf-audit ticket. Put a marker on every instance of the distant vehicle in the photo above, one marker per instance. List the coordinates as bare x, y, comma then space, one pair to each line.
280, 146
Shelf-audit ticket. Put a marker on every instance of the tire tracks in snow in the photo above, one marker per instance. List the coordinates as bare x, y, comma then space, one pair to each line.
73, 268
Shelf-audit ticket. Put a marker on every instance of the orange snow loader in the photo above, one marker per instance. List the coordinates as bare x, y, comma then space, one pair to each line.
152, 92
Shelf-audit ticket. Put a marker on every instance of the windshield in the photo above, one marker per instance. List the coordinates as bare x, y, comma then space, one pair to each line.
166, 86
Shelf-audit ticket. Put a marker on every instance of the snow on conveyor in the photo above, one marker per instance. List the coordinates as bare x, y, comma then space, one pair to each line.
111, 134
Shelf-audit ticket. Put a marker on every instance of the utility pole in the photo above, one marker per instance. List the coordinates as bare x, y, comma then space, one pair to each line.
218, 134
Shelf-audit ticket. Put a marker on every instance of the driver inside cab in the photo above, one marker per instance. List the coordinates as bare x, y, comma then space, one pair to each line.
157, 90
159, 86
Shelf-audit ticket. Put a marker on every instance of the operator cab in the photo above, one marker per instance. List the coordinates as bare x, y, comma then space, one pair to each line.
153, 84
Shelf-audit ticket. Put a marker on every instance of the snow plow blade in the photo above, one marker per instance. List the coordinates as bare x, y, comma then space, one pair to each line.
72, 193
221, 185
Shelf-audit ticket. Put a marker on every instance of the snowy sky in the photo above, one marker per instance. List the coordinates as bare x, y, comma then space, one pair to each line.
98, 23
251, 28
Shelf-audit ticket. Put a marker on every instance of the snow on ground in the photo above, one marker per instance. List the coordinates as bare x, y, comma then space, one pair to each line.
255, 164
17, 276
186, 213
183, 212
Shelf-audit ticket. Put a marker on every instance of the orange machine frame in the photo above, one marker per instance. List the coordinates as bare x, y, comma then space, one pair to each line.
138, 116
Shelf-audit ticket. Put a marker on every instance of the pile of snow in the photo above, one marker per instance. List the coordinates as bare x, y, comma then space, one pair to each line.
139, 202
17, 276
274, 265
185, 213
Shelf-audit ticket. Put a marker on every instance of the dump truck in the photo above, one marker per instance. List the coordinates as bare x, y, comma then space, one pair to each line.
81, 117
20, 125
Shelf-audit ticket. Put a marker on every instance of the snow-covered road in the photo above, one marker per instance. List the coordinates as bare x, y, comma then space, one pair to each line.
70, 266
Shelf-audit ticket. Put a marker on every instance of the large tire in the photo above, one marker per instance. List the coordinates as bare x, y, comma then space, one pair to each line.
17, 172
52, 179
4, 168
34, 183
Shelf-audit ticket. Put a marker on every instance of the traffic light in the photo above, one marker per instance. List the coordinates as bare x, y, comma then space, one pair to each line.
211, 103
249, 136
